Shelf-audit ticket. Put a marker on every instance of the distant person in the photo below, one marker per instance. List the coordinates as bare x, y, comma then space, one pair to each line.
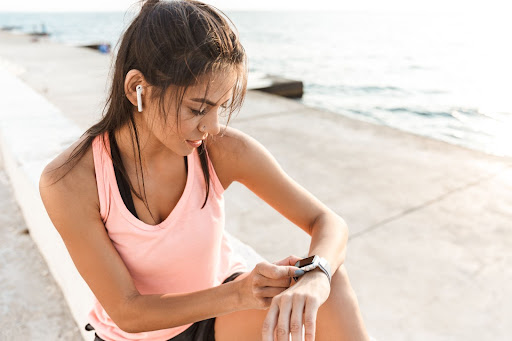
138, 200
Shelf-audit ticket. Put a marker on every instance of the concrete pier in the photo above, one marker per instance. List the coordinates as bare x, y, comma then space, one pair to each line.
32, 305
429, 253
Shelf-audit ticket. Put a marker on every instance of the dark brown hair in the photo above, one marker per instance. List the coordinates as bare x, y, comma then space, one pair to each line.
172, 43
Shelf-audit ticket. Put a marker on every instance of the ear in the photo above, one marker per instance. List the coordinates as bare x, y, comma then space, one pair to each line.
132, 79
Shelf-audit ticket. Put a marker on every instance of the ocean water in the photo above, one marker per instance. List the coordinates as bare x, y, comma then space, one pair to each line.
443, 75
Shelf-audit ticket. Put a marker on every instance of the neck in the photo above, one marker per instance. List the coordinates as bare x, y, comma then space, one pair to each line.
153, 154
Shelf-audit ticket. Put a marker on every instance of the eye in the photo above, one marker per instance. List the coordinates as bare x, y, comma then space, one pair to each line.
198, 112
224, 112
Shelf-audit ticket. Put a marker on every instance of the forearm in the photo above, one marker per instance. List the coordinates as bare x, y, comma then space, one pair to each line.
329, 236
153, 312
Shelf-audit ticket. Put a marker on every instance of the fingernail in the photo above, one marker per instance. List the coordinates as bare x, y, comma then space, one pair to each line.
299, 272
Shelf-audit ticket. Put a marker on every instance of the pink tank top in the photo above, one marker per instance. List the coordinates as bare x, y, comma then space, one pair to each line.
186, 252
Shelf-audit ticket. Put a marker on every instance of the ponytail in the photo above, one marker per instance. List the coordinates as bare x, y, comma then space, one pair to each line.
148, 4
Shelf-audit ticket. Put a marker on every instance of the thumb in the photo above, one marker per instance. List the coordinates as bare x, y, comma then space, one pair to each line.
274, 271
290, 260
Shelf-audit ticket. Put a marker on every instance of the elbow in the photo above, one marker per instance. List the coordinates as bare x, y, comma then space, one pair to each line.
127, 318
344, 231
130, 329
127, 325
340, 231
330, 218
342, 225
344, 228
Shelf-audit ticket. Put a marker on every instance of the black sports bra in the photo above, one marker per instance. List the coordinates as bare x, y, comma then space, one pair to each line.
122, 184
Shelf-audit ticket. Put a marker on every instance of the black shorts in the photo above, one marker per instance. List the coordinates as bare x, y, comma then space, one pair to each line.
199, 331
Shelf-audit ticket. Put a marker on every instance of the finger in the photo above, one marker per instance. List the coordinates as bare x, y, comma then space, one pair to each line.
283, 322
269, 292
275, 271
278, 283
296, 319
269, 324
290, 260
310, 313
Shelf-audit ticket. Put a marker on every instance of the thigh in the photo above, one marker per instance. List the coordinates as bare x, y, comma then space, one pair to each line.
241, 325
244, 325
339, 318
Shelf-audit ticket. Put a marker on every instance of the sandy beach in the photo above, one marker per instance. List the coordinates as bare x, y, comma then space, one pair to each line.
428, 255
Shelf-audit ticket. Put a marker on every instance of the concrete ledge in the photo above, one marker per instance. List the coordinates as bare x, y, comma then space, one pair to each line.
33, 132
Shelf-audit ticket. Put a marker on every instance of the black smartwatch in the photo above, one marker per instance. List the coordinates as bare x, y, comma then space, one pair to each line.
313, 262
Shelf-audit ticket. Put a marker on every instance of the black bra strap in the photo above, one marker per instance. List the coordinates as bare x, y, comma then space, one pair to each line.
122, 184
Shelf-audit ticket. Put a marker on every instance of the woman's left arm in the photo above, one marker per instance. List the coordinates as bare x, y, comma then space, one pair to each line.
248, 162
241, 158
329, 236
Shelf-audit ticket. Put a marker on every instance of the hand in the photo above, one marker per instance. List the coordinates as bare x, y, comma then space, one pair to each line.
265, 281
295, 307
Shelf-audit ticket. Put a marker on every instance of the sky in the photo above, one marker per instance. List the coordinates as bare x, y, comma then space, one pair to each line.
226, 5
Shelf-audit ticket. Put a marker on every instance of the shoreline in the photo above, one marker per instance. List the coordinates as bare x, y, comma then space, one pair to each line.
409, 102
464, 143
21, 71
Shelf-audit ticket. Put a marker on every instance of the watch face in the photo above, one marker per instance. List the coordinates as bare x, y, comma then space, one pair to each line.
306, 261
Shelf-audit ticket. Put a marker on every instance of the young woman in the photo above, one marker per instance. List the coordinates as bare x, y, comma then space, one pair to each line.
138, 200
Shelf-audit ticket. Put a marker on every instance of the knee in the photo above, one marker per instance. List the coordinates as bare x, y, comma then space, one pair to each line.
341, 287
340, 277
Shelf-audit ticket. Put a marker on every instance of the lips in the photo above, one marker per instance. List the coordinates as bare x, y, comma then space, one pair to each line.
195, 143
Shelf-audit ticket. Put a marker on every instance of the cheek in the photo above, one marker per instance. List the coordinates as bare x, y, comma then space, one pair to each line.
184, 129
165, 131
189, 125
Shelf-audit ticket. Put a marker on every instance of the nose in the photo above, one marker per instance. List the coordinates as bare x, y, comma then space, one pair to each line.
211, 121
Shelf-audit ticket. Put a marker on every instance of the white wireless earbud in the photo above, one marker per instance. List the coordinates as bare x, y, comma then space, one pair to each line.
139, 97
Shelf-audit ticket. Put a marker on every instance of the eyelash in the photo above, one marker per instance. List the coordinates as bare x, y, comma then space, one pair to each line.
204, 111
198, 113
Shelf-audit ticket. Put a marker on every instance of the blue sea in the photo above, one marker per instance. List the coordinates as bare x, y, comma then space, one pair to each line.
443, 75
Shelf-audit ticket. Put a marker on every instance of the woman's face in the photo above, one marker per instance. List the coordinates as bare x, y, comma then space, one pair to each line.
184, 132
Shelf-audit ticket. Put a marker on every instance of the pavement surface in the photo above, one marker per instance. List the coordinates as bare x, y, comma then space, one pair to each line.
430, 223
31, 303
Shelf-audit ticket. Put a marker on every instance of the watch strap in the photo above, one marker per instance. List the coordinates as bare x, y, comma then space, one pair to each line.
323, 265
320, 263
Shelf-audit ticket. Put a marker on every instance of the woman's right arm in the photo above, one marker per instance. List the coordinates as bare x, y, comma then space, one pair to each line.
73, 207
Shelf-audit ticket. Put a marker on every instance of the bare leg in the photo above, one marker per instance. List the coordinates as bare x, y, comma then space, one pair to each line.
339, 318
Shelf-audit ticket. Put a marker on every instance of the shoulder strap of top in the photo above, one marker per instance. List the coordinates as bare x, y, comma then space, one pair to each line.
122, 184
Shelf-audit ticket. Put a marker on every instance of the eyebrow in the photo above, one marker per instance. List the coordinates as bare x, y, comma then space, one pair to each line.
204, 100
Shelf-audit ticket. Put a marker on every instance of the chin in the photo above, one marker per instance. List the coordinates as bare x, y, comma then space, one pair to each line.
182, 149
190, 152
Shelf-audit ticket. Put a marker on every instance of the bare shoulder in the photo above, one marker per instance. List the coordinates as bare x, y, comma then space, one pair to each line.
239, 157
226, 151
70, 197
65, 180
